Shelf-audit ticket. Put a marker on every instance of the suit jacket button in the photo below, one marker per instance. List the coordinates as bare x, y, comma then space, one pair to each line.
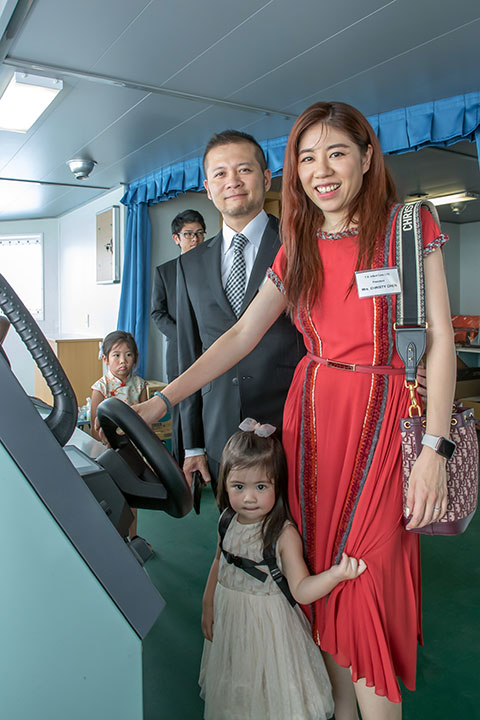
235, 381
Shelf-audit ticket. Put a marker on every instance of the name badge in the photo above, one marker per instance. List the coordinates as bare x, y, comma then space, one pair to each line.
384, 281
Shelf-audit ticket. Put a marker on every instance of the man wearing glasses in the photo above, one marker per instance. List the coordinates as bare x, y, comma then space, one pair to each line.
188, 231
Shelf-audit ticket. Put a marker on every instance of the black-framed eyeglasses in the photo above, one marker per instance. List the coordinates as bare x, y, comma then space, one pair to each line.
189, 235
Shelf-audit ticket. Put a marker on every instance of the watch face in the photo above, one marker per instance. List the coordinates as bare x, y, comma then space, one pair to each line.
446, 448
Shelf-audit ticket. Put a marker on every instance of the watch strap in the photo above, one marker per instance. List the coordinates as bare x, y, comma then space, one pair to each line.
430, 441
443, 446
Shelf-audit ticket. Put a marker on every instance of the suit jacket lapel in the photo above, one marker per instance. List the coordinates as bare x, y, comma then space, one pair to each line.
214, 278
267, 251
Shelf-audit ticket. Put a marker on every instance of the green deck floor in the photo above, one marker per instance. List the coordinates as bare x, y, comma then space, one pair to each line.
448, 681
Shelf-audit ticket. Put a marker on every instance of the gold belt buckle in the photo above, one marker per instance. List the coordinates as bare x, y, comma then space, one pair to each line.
341, 365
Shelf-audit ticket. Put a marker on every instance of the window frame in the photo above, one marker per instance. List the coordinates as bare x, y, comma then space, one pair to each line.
28, 238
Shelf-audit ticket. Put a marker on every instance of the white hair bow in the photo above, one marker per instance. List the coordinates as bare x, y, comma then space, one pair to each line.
251, 425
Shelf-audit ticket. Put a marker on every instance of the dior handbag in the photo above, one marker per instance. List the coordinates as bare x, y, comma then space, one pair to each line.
410, 337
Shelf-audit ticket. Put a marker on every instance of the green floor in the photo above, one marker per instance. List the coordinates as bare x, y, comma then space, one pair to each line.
172, 650
448, 681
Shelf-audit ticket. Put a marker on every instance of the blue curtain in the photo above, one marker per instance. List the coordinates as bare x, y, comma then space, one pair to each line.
135, 294
440, 123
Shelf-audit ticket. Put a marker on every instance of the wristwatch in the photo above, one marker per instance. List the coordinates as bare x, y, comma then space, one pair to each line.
441, 445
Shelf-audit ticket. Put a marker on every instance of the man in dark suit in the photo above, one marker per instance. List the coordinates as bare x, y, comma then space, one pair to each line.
236, 181
188, 231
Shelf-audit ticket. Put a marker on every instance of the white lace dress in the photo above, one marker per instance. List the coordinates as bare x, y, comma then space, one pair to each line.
262, 663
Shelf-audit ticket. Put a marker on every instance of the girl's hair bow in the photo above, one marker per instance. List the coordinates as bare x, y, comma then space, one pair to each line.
251, 425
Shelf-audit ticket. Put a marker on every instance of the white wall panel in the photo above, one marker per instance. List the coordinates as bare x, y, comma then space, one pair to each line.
85, 308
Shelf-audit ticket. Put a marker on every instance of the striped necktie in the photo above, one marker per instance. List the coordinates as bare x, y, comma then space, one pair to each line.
237, 279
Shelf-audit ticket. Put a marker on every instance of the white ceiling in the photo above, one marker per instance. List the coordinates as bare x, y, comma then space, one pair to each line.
252, 65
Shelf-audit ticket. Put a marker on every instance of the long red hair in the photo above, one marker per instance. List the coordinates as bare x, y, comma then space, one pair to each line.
301, 218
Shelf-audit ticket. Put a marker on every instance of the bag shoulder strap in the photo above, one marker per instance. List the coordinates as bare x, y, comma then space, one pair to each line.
411, 324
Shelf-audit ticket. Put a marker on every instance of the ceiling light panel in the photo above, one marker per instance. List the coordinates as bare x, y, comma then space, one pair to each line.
453, 198
25, 99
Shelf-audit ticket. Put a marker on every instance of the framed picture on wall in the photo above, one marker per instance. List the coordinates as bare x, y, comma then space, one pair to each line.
108, 242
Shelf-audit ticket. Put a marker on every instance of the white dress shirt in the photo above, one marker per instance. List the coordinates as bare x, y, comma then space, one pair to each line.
254, 233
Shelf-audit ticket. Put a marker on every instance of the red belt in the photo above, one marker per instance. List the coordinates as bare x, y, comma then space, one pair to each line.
353, 367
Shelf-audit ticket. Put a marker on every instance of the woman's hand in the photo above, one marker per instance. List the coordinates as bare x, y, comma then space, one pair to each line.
152, 410
348, 568
427, 490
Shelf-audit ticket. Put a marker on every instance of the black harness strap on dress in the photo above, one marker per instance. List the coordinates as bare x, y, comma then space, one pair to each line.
250, 566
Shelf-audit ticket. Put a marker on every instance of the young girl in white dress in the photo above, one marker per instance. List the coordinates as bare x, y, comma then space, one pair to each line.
259, 660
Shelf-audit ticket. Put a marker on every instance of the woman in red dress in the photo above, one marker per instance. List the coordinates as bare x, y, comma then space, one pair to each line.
341, 425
